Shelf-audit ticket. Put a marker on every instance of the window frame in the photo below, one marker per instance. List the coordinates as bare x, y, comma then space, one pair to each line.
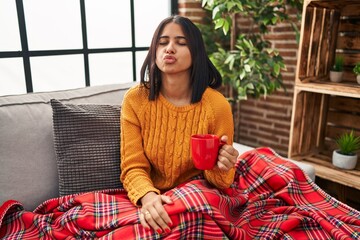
25, 53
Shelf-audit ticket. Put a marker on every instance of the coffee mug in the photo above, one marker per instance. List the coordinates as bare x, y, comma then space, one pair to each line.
204, 150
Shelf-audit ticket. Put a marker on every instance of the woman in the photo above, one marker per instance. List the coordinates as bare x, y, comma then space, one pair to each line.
270, 198
176, 98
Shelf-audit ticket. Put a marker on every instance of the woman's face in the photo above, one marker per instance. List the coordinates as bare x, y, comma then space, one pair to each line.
172, 52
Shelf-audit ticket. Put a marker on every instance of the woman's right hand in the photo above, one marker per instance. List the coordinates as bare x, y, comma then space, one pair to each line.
153, 213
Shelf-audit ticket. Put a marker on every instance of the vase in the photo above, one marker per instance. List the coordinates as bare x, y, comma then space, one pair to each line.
335, 76
344, 161
358, 78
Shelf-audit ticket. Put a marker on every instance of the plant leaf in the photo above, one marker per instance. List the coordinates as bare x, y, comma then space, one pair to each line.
203, 3
226, 27
219, 23
215, 11
274, 20
277, 69
242, 74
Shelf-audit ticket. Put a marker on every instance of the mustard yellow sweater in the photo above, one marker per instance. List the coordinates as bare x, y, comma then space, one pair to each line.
155, 140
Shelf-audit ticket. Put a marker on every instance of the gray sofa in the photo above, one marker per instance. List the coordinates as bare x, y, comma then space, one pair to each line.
28, 158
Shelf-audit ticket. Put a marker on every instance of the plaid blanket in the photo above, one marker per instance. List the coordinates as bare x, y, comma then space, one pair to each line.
270, 198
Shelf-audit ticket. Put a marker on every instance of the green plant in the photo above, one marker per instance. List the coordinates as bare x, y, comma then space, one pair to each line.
212, 37
338, 64
251, 69
356, 69
248, 64
348, 143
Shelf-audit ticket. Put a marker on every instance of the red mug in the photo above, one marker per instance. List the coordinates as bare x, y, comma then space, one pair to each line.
204, 150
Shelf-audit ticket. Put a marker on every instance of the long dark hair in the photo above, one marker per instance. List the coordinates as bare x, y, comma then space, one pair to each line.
203, 72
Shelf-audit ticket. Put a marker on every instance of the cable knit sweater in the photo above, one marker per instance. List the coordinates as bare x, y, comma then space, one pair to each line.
155, 140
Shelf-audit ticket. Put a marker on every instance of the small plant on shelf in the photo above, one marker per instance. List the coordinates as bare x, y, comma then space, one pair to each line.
339, 64
345, 156
348, 143
337, 69
356, 70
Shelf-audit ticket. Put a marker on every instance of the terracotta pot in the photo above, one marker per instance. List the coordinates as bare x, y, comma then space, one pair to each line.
336, 76
344, 161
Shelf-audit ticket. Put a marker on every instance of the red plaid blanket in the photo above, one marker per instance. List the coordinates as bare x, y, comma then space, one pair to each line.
271, 198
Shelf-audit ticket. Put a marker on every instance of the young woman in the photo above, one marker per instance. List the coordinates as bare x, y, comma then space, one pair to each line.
270, 198
175, 99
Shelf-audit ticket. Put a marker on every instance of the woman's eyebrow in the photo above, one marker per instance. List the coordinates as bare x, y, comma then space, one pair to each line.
177, 37
180, 37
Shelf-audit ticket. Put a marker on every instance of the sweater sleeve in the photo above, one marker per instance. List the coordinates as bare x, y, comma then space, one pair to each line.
223, 124
135, 167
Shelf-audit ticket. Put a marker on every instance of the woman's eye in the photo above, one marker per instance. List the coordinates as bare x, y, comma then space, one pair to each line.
181, 43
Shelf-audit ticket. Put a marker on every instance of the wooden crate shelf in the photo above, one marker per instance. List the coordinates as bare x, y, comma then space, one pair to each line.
349, 89
329, 28
318, 118
325, 170
323, 110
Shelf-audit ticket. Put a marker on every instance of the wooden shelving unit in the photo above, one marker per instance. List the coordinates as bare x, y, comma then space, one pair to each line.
322, 110
339, 89
324, 169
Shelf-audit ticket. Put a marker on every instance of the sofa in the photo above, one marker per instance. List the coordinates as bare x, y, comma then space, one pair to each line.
34, 164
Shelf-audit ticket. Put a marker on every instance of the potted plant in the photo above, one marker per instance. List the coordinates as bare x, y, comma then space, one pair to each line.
336, 72
345, 156
356, 70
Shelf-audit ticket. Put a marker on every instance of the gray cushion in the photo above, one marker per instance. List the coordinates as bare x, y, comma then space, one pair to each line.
87, 146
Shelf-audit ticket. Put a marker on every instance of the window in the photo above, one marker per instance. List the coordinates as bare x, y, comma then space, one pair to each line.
55, 45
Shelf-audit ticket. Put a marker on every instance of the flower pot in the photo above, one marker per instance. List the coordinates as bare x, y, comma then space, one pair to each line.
344, 161
358, 79
336, 76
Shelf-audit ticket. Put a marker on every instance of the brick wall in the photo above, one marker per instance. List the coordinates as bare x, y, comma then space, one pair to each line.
191, 9
262, 122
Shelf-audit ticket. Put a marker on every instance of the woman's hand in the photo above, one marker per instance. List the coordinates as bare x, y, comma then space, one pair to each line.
227, 156
153, 213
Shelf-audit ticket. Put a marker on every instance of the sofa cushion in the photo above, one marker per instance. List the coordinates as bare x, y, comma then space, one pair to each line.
87, 146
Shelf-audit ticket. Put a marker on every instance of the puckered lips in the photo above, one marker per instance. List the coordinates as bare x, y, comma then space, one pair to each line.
169, 59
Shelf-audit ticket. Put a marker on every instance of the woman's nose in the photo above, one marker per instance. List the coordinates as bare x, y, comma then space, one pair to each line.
170, 48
